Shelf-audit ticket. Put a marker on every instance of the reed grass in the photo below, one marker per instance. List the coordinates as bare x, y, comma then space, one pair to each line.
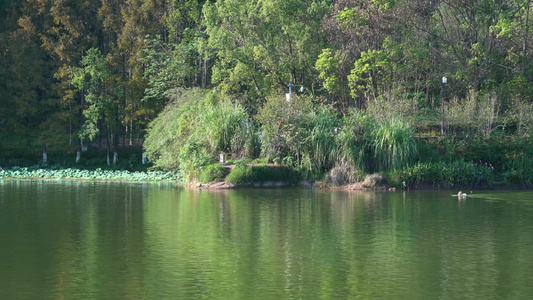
444, 174
394, 146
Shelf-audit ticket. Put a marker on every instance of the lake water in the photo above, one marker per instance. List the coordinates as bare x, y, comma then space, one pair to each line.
88, 240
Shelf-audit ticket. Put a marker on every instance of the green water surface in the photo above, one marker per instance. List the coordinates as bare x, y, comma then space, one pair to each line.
89, 240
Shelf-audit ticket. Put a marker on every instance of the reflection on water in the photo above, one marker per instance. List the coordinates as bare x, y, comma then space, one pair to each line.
143, 240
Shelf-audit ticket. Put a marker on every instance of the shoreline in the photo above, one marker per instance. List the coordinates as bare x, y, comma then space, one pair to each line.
374, 182
222, 185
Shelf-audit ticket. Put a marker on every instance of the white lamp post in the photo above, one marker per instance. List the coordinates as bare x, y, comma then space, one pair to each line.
289, 95
443, 82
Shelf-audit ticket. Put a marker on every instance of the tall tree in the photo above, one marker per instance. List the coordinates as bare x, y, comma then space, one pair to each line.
262, 46
28, 79
95, 81
72, 30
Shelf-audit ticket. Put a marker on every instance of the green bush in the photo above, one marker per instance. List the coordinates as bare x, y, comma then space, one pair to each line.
518, 171
240, 174
443, 174
191, 133
245, 174
497, 150
300, 133
212, 173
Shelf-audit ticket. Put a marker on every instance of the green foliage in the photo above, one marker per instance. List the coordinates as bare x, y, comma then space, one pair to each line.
221, 124
496, 150
353, 139
95, 82
388, 106
165, 69
393, 145
301, 131
372, 68
240, 174
443, 174
305, 131
104, 70
247, 174
474, 114
328, 64
263, 45
192, 156
129, 159
169, 132
212, 173
194, 129
24, 91
98, 174
518, 171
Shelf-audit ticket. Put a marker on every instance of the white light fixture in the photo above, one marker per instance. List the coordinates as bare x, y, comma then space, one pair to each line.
444, 79
289, 95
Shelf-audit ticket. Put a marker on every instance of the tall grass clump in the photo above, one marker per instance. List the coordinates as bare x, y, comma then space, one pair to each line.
191, 133
474, 115
353, 139
393, 145
300, 133
319, 145
350, 155
222, 123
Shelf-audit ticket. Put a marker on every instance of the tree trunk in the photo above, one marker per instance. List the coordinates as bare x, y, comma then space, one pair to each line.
45, 156
108, 146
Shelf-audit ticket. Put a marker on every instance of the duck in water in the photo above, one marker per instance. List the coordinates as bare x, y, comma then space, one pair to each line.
461, 194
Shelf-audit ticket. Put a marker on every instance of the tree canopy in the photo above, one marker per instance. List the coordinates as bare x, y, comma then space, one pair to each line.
104, 69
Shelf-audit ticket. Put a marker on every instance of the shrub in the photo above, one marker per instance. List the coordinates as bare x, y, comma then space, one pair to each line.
300, 133
168, 132
221, 123
192, 156
344, 173
190, 133
245, 174
212, 173
518, 170
372, 181
475, 114
444, 174
240, 174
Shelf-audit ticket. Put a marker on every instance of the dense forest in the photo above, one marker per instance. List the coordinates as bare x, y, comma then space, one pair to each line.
191, 79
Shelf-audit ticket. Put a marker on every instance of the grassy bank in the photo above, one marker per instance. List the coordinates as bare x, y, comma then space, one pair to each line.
310, 139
